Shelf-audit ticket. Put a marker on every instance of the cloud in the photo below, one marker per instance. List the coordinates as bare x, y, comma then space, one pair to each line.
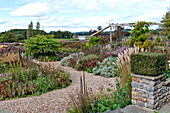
32, 9
87, 14
2, 21
5, 8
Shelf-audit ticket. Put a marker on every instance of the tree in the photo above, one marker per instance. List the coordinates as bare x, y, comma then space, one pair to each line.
9, 37
30, 25
138, 33
38, 26
166, 24
99, 28
119, 33
61, 34
29, 31
41, 45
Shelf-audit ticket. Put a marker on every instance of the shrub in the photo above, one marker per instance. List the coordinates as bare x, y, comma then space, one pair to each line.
31, 79
41, 46
167, 74
123, 68
105, 68
91, 103
74, 56
88, 57
158, 39
86, 63
147, 43
116, 51
93, 41
147, 63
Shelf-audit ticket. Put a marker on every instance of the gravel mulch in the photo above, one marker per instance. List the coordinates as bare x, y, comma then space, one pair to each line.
58, 101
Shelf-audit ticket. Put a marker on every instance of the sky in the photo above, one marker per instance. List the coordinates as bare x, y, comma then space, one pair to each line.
78, 15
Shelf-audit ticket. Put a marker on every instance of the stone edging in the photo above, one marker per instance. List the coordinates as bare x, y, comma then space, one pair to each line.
148, 77
167, 81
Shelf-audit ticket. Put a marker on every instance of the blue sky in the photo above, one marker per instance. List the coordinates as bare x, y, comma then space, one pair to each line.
78, 15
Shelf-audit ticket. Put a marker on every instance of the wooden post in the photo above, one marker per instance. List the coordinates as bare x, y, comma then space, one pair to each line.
110, 34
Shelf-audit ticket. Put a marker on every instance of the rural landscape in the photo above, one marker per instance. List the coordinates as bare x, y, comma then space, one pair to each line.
103, 70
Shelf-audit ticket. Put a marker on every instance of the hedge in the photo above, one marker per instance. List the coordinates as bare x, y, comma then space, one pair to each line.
147, 63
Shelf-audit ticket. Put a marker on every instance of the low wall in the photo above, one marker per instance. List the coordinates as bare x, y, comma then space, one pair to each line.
150, 92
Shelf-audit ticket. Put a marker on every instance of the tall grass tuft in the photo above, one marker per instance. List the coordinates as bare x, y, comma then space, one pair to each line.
123, 67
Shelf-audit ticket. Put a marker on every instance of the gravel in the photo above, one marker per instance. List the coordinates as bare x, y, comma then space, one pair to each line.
58, 101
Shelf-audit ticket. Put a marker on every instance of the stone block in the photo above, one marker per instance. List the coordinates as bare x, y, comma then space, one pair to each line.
140, 103
152, 101
150, 106
155, 106
151, 96
139, 98
135, 79
145, 81
133, 102
134, 93
134, 84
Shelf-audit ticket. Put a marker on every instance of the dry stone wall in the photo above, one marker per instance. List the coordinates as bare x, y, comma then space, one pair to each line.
150, 92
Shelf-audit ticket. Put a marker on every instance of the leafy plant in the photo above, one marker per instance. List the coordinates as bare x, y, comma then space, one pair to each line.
75, 56
158, 39
91, 103
105, 68
167, 75
123, 67
138, 33
116, 51
41, 45
148, 63
118, 99
86, 63
31, 79
93, 41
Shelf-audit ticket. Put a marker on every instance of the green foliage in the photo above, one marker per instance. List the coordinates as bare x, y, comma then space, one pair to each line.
64, 61
105, 68
30, 79
32, 33
167, 74
101, 103
61, 34
138, 33
85, 58
9, 37
41, 46
119, 99
166, 24
168, 36
93, 41
147, 43
147, 63
158, 39
37, 26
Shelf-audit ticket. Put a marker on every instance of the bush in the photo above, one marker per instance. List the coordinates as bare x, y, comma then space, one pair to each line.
86, 63
93, 41
31, 79
74, 56
116, 51
158, 39
90, 103
41, 46
147, 63
105, 68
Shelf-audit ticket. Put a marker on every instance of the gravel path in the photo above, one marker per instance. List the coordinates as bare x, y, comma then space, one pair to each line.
58, 101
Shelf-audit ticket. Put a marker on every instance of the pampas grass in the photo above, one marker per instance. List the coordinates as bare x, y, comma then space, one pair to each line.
123, 67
